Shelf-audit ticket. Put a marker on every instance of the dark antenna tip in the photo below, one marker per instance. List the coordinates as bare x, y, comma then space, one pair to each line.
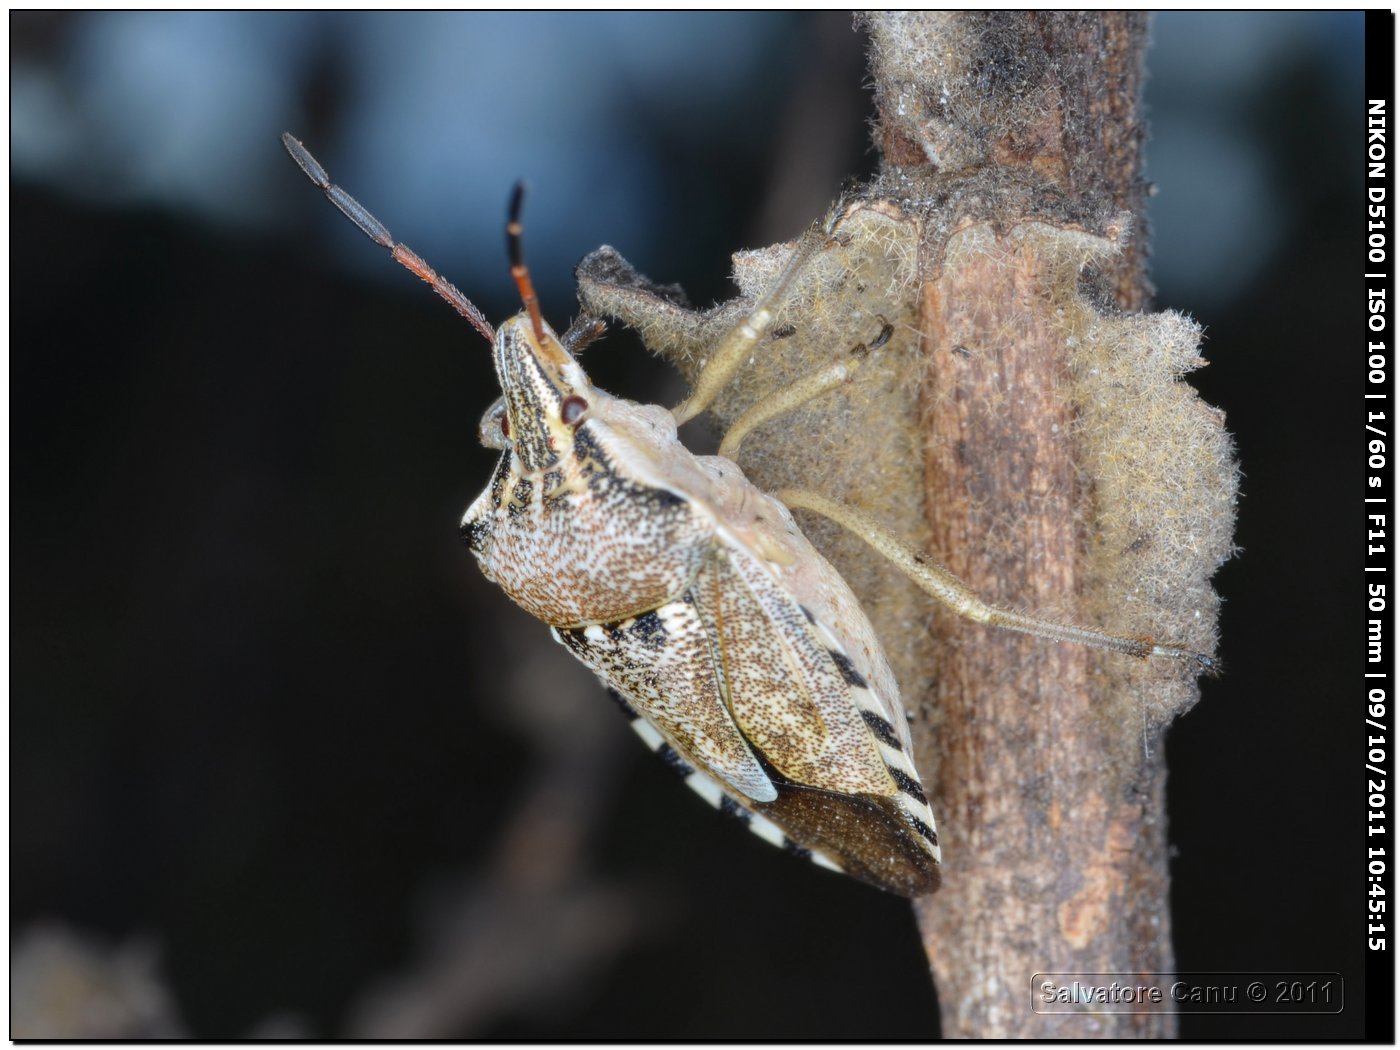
514, 249
379, 233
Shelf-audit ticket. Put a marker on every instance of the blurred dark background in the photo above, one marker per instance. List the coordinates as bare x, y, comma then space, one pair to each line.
283, 763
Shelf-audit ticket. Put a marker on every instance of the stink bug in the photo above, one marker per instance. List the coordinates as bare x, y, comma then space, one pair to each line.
739, 652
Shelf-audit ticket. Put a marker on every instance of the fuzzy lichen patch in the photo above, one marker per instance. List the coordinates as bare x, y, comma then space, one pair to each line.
1165, 482
1018, 89
1048, 97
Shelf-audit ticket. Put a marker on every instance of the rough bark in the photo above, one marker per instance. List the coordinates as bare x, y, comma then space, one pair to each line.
1029, 430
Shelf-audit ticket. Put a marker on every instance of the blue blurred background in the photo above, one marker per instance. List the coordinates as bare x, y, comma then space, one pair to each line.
275, 741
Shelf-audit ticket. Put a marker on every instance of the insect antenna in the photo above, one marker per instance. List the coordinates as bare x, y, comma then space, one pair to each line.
380, 235
518, 270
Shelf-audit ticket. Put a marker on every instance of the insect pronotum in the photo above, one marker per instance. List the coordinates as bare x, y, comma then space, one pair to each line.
740, 654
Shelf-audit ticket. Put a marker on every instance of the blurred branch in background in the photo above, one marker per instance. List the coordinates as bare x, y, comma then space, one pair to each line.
534, 928
72, 986
537, 924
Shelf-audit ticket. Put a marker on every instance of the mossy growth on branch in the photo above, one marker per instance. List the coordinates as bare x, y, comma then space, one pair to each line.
1155, 462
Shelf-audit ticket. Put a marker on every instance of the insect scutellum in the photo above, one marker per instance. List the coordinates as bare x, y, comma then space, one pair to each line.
740, 653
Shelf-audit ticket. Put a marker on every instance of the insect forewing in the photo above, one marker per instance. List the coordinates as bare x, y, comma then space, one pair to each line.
785, 690
663, 665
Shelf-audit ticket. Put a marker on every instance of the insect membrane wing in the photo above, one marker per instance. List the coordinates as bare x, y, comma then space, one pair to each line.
867, 838
661, 662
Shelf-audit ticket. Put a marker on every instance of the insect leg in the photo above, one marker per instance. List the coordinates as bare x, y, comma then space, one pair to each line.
734, 348
952, 592
799, 393
583, 333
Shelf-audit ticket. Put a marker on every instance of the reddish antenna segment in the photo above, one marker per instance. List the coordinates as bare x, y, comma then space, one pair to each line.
380, 235
515, 249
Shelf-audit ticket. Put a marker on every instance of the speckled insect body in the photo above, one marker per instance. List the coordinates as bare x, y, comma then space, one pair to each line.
740, 653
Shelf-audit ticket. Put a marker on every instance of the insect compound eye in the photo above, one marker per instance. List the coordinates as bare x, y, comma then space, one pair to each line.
505, 426
572, 410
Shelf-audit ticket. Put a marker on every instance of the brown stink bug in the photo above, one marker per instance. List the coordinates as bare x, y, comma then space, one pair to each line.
739, 652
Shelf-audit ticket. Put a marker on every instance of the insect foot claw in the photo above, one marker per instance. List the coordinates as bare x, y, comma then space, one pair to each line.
1209, 664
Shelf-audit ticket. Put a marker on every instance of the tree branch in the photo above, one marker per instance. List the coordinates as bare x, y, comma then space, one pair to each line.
1066, 469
